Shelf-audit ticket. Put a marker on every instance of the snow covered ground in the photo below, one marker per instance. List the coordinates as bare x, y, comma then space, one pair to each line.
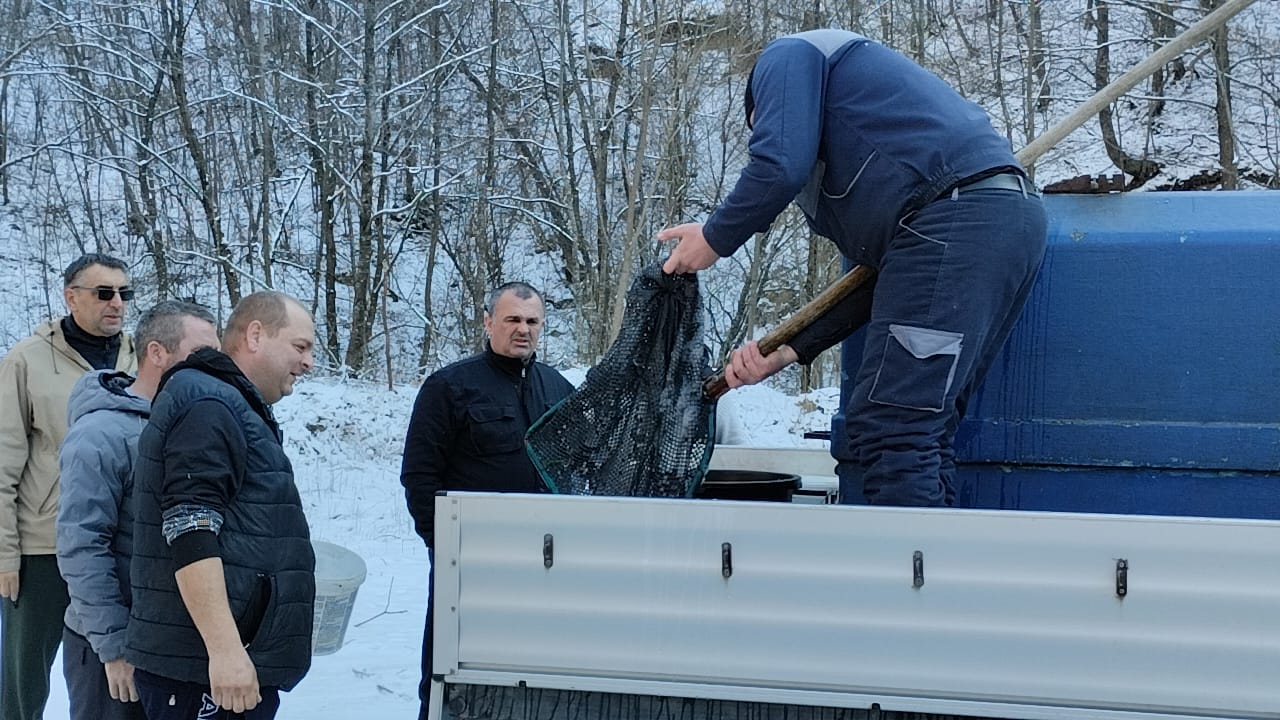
345, 440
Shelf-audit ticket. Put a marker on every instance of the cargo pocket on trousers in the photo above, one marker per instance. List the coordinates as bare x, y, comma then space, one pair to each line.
917, 368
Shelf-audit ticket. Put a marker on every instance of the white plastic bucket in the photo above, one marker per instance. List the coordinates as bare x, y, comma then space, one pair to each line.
339, 573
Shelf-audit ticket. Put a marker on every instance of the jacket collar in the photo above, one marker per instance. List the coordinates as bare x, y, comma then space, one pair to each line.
515, 367
105, 390
100, 352
220, 366
51, 331
75, 334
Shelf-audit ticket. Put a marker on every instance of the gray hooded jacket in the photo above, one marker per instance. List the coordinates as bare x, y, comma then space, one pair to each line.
95, 516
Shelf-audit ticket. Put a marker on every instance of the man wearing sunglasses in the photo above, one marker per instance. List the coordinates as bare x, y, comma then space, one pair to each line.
36, 378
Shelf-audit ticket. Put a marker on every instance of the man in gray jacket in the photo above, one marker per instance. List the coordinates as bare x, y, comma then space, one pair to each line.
106, 413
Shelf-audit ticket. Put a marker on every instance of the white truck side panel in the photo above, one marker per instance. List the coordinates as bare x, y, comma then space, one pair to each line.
1017, 610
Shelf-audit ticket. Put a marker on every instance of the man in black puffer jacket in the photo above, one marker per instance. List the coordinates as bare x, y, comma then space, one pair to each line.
223, 573
468, 423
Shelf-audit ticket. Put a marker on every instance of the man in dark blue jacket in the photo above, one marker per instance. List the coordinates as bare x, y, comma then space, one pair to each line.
907, 177
223, 573
105, 415
469, 420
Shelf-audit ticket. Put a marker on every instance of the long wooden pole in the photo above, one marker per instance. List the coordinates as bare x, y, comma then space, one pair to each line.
1121, 85
715, 386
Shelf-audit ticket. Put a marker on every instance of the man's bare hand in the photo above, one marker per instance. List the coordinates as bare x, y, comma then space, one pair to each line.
233, 680
747, 366
691, 253
9, 585
120, 680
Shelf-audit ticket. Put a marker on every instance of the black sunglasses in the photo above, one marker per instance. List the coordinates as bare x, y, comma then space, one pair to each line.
106, 293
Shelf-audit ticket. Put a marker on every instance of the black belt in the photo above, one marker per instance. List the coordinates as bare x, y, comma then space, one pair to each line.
1003, 181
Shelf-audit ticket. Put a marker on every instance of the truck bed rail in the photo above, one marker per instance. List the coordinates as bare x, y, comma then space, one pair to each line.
965, 612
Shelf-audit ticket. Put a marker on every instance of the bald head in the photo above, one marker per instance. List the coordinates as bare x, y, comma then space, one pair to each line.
270, 336
267, 307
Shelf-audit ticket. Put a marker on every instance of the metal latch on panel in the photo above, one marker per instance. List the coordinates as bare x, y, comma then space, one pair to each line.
917, 569
1122, 577
548, 551
726, 560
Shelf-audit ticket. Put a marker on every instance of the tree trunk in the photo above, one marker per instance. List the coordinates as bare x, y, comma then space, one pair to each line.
435, 201
822, 267
150, 224
1220, 45
631, 168
261, 143
1139, 169
362, 285
1163, 28
1038, 60
175, 26
4, 140
324, 179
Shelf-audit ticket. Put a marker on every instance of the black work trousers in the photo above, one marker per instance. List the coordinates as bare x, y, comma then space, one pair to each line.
424, 685
87, 690
30, 632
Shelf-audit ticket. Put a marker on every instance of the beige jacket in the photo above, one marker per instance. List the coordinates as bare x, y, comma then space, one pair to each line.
36, 378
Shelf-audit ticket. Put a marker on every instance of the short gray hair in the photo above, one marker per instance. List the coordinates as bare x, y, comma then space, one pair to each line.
163, 323
78, 266
523, 290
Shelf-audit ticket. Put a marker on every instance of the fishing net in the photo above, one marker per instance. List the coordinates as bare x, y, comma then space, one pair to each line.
638, 425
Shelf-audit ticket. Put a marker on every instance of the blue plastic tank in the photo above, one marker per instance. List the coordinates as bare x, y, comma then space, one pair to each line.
1144, 374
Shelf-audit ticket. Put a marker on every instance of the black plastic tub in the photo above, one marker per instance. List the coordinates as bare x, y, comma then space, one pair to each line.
747, 485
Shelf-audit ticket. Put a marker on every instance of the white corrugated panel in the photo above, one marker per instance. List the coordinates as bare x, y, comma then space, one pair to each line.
1018, 609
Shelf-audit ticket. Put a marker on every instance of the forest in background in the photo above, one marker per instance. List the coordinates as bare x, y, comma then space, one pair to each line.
389, 161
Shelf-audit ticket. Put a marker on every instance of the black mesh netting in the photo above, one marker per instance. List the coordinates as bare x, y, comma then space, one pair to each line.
638, 425
480, 702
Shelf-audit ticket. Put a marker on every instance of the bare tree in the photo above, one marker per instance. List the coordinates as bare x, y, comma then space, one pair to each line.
317, 74
1163, 28
1220, 46
175, 20
1139, 169
251, 31
362, 284
394, 160
14, 43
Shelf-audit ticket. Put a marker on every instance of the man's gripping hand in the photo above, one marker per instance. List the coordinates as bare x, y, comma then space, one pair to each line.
691, 253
